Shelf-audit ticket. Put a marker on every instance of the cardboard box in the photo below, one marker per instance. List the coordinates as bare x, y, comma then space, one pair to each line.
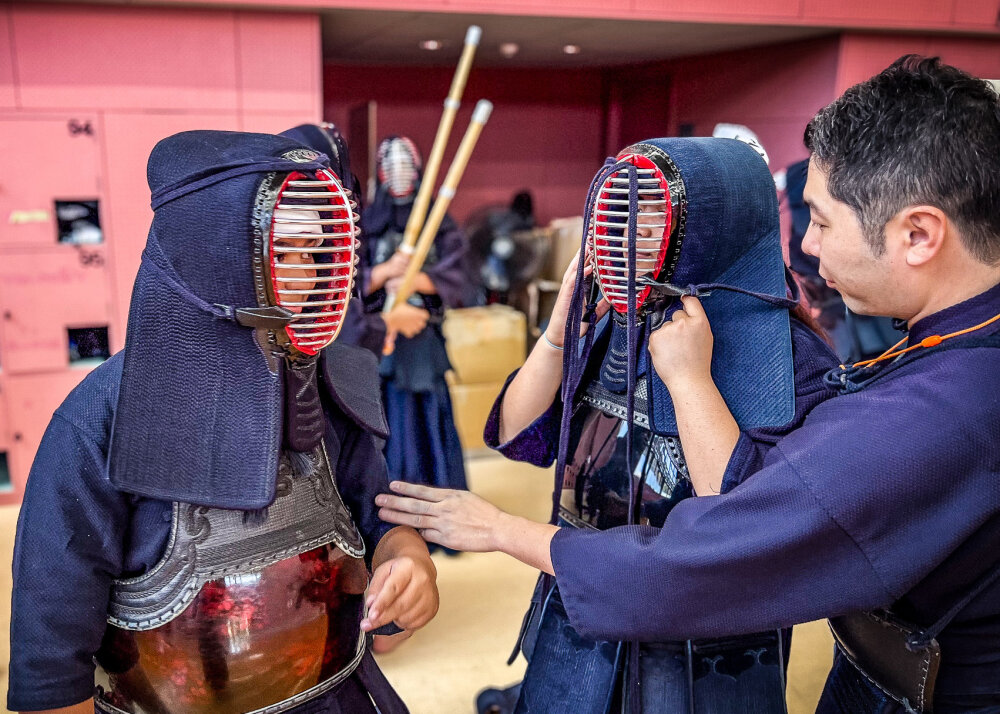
471, 404
566, 235
485, 344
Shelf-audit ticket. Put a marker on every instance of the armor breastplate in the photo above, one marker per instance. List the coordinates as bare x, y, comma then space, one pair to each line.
246, 611
597, 481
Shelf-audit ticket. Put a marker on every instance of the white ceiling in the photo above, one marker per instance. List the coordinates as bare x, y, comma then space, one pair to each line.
393, 38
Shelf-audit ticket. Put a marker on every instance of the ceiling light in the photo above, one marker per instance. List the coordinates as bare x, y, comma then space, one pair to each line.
430, 45
571, 49
509, 49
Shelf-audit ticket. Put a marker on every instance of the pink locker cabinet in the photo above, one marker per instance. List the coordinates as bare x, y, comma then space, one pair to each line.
30, 400
44, 158
54, 274
6, 474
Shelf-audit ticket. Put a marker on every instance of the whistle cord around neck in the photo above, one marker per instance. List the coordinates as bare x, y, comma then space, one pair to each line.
929, 341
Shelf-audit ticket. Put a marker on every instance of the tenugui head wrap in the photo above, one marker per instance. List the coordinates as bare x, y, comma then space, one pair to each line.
199, 412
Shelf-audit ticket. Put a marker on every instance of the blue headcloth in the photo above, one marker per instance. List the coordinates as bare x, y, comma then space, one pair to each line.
199, 413
732, 239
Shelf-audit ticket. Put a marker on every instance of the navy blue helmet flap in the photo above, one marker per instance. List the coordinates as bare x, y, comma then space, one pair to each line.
705, 218
245, 276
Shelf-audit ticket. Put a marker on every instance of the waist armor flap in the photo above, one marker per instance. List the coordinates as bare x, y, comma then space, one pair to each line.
597, 480
247, 611
882, 647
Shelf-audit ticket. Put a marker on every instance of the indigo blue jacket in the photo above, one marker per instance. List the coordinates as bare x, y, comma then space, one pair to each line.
886, 495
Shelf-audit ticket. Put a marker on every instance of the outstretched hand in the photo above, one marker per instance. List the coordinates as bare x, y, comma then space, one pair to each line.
459, 520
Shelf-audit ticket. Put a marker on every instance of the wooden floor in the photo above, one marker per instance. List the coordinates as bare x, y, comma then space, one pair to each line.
483, 596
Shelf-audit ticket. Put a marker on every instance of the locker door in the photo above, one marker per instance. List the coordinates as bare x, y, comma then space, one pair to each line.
46, 294
129, 139
44, 159
6, 477
32, 398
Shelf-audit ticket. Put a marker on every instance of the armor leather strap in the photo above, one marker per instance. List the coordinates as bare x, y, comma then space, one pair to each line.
878, 645
897, 657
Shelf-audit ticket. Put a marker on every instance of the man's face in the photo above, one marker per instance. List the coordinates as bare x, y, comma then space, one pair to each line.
867, 282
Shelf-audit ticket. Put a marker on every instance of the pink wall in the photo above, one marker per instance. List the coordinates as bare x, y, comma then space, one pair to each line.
545, 132
773, 90
550, 130
862, 55
124, 78
931, 15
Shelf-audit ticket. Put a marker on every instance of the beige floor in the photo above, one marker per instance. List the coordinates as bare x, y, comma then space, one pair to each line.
483, 596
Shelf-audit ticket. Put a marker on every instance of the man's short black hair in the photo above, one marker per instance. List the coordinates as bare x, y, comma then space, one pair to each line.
919, 132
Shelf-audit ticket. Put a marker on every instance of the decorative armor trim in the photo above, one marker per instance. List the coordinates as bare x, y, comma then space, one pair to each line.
210, 543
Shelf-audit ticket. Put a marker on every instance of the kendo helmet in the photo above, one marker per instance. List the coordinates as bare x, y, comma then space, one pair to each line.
398, 165
305, 253
691, 216
646, 189
245, 278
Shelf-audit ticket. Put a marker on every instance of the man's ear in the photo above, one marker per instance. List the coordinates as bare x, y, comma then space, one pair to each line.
920, 232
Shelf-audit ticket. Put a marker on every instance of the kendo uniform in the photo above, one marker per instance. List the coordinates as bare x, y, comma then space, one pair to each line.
365, 329
886, 497
715, 202
199, 519
423, 446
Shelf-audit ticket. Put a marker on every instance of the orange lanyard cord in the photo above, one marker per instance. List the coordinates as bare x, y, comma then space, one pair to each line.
929, 341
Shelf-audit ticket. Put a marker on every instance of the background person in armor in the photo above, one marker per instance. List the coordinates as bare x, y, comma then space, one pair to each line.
679, 236
423, 445
881, 510
362, 328
199, 519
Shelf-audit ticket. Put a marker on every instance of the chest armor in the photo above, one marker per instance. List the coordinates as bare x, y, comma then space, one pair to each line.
245, 612
597, 480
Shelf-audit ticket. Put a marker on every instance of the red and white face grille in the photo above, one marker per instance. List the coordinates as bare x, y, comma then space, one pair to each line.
609, 232
398, 164
313, 243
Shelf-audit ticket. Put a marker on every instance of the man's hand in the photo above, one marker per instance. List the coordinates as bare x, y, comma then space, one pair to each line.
459, 520
406, 319
463, 521
403, 587
681, 349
